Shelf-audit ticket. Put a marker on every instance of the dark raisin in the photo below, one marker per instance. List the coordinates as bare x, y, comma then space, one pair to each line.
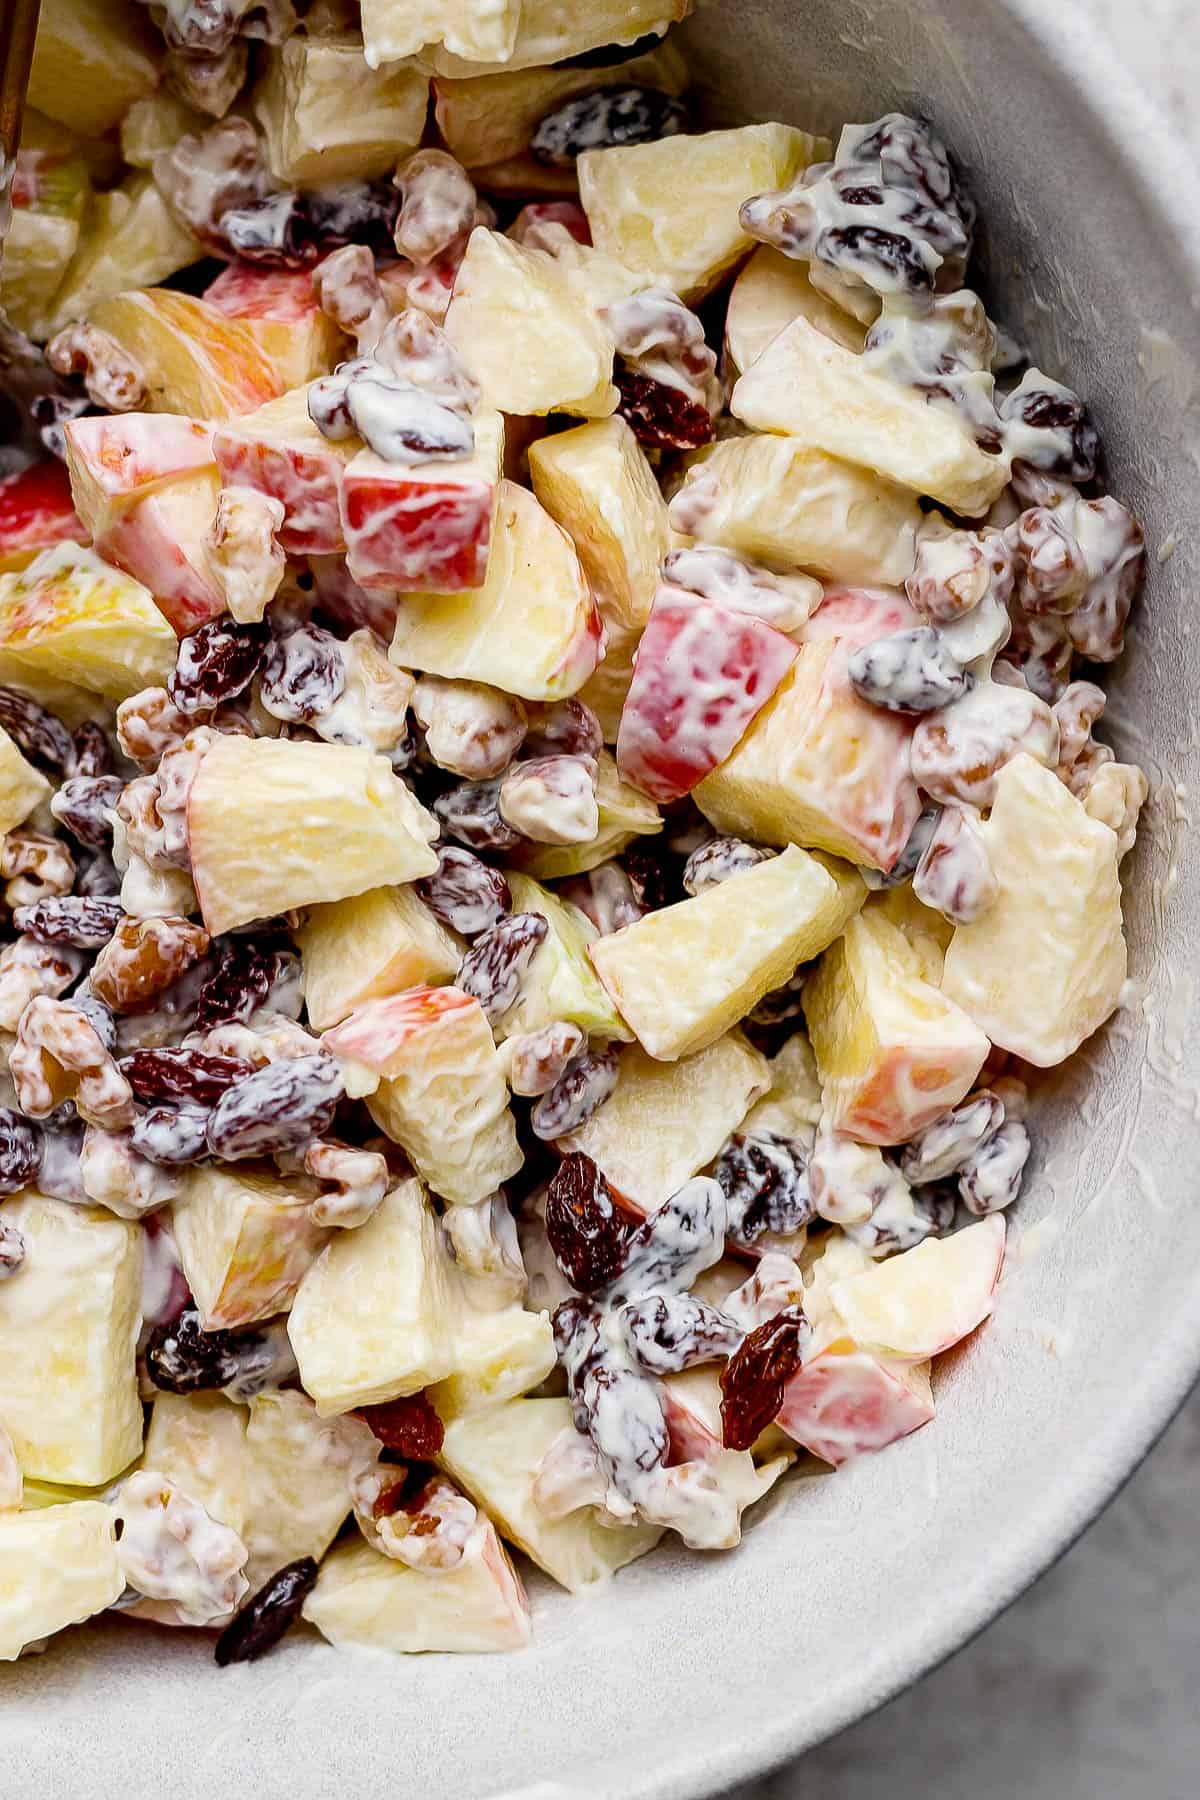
650, 876
275, 231
991, 1179
92, 752
764, 1178
604, 120
171, 1136
42, 737
470, 812
497, 963
720, 859
22, 1144
753, 1380
70, 919
626, 1420
568, 728
411, 1426
1059, 438
881, 258
82, 803
355, 212
465, 894
908, 671
265, 1618
661, 416
99, 1016
952, 1138
217, 662
97, 877
248, 975
587, 1233
673, 1246
584, 1085
280, 1107
668, 1332
192, 1076
302, 674
183, 1358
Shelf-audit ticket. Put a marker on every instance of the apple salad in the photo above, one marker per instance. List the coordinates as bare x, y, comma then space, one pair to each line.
550, 808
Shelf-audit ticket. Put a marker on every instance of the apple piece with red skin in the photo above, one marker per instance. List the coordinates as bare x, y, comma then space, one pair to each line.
281, 310
926, 1300
845, 1402
195, 360
703, 673
115, 460
279, 451
161, 540
36, 510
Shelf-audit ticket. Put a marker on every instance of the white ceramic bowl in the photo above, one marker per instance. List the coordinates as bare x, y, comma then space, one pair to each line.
691, 1672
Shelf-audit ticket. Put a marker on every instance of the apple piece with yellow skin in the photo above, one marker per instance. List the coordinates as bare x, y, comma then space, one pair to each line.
70, 619
893, 1051
279, 451
917, 1304
328, 116
280, 308
198, 1441
58, 1567
129, 239
194, 359
845, 1402
36, 511
246, 1238
370, 945
624, 815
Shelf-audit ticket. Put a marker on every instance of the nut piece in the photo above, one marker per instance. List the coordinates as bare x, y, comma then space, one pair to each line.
243, 555
28, 968
349, 292
170, 1549
115, 1176
552, 799
355, 1182
472, 730
34, 867
114, 382
439, 204
59, 1056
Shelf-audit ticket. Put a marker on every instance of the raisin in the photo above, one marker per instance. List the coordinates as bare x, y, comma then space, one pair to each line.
82, 804
908, 672
650, 876
660, 416
98, 878
275, 232
568, 728
195, 1077
719, 859
673, 1246
279, 1107
302, 674
22, 1144
886, 258
411, 1426
355, 212
183, 1358
603, 120
991, 1179
217, 662
42, 737
70, 919
98, 1015
92, 753
268, 1614
668, 1332
171, 1136
1048, 428
583, 1087
143, 958
552, 799
586, 1232
764, 1178
248, 975
753, 1380
496, 964
465, 894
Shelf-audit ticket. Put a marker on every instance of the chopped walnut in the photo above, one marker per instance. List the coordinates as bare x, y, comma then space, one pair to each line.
272, 1036
114, 382
1115, 795
956, 570
353, 1183
34, 867
442, 1530
485, 1244
243, 555
439, 204
115, 1176
153, 808
171, 1549
372, 709
149, 723
206, 174
536, 1059
1082, 559
28, 968
955, 875
142, 958
209, 83
471, 729
60, 1056
1077, 709
349, 292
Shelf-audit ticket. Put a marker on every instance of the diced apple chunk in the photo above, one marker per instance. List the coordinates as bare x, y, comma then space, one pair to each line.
498, 1356
362, 1597
116, 459
162, 540
246, 1238
299, 1468
442, 1095
827, 398
670, 209
68, 1333
791, 1106
195, 359
624, 815
845, 1402
370, 945
768, 294
561, 982
527, 336
71, 618
928, 933
682, 976
664, 1122
777, 501
919, 1303
22, 787
549, 31
280, 309
92, 59
154, 123
398, 28
531, 629
1043, 967
372, 1319
58, 1567
496, 1455
274, 824
893, 1052
198, 1441
327, 116
36, 512
278, 450
606, 689
130, 238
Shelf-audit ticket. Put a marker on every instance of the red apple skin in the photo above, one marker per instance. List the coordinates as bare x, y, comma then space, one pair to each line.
36, 510
844, 1404
306, 481
246, 291
145, 541
412, 532
552, 212
702, 674
691, 1440
859, 615
377, 1030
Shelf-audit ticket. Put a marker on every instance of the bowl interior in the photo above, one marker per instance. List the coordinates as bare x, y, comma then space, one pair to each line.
689, 1672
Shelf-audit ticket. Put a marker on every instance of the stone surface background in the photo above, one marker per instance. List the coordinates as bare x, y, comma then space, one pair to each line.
1087, 1688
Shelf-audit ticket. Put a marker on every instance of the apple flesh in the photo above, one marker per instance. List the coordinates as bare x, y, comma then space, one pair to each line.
281, 310
71, 622
245, 1240
923, 1301
278, 450
195, 360
845, 1402
58, 1567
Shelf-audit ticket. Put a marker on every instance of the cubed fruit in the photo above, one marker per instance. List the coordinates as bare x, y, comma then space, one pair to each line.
397, 28
530, 340
22, 787
1043, 967
442, 1094
372, 1318
195, 360
828, 398
362, 1597
246, 1238
550, 31
162, 540
605, 690
684, 975
326, 116
58, 1567
496, 1454
776, 501
532, 628
280, 309
498, 1355
893, 1052
278, 450
71, 618
664, 1122
703, 674
156, 123
489, 118
424, 526
791, 1106
819, 766
928, 933
198, 1441
738, 1478
49, 193
68, 1335
115, 459
36, 511
624, 815
670, 209
768, 294
129, 239
596, 483
919, 1303
274, 824
370, 945
845, 1402
92, 59
298, 1471
561, 982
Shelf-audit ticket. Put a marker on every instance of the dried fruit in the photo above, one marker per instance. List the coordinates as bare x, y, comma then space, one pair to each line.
603, 120
1047, 426
302, 674
720, 858
764, 1178
268, 1614
465, 894
143, 958
171, 1136
584, 1085
666, 372
673, 1246
587, 1233
249, 975
411, 1426
21, 1148
70, 919
60, 1056
538, 1058
667, 1332
216, 663
958, 752
438, 205
42, 737
183, 1076
497, 963
470, 812
564, 728
92, 750
279, 1107
755, 1376
662, 417
909, 671
990, 1179
183, 1358
83, 803
552, 799
953, 1138
954, 875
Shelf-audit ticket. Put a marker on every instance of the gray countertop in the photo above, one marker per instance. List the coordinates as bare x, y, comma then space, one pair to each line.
1087, 1688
